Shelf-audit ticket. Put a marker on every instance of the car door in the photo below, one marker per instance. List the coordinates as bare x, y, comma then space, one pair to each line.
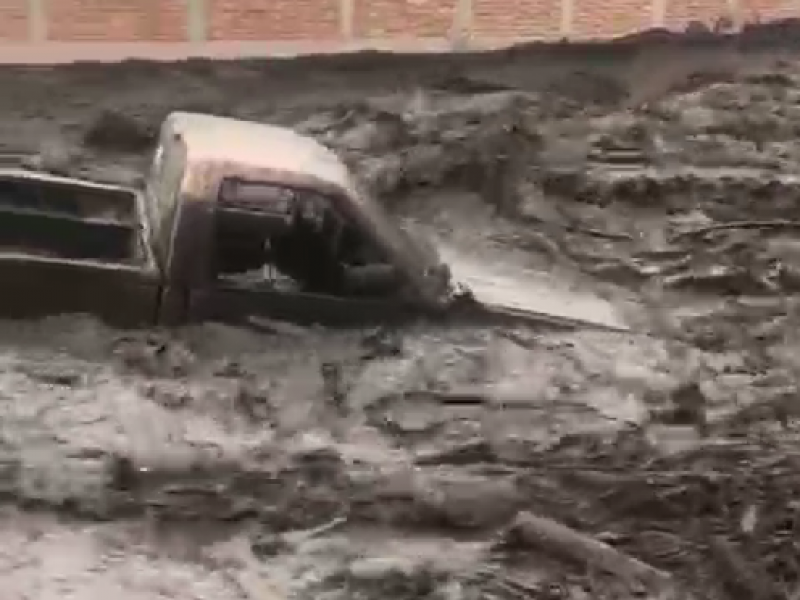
271, 216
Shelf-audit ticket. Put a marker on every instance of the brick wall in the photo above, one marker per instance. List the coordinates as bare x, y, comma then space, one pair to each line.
281, 20
482, 22
679, 13
596, 18
116, 20
409, 18
529, 18
14, 22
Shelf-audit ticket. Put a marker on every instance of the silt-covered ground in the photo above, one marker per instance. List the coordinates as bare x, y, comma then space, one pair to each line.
213, 462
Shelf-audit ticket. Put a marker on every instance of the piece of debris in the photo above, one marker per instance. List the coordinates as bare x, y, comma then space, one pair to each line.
741, 578
52, 374
553, 538
253, 401
54, 156
334, 387
157, 355
382, 342
271, 544
171, 397
273, 326
688, 406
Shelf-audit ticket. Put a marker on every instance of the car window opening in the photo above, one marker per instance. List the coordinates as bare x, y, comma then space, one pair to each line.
294, 240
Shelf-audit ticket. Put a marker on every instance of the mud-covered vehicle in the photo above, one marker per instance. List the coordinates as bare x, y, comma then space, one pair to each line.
239, 220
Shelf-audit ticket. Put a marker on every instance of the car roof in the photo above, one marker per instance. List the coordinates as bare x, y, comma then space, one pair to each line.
211, 138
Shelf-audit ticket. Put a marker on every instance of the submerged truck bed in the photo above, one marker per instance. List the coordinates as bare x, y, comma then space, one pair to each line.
73, 246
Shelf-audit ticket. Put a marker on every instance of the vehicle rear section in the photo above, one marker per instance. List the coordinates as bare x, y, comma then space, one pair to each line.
70, 246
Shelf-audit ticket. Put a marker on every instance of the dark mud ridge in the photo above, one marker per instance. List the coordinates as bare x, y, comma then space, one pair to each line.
214, 462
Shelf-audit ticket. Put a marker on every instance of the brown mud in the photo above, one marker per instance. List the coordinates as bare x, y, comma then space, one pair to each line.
505, 464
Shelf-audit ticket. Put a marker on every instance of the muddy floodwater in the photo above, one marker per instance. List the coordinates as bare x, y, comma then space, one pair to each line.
502, 463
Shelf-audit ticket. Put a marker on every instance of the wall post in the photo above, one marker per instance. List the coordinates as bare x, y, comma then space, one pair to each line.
460, 34
347, 18
735, 14
566, 26
659, 13
197, 20
37, 21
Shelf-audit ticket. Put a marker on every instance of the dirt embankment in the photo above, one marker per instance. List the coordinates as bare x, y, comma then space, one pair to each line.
497, 463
